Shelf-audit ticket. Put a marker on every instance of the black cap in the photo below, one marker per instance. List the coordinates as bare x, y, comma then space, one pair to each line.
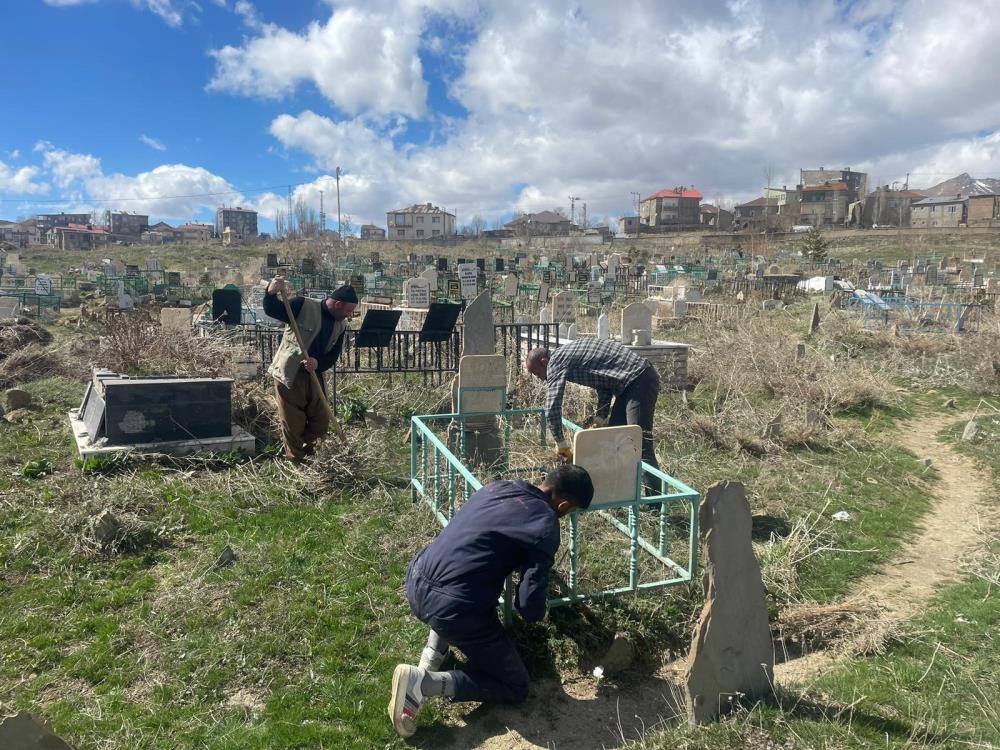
345, 294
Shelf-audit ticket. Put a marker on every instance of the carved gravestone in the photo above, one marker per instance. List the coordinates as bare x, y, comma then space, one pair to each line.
611, 456
478, 333
731, 654
431, 275
25, 731
635, 317
814, 320
603, 326
479, 387
564, 308
417, 293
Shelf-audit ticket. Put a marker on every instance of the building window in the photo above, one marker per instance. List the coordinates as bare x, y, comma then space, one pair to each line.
419, 219
435, 232
400, 232
933, 209
951, 209
400, 220
436, 219
420, 233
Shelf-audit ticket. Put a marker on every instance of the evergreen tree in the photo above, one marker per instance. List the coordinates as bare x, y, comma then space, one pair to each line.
814, 246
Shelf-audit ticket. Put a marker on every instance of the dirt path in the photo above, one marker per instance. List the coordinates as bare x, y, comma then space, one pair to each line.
585, 715
949, 532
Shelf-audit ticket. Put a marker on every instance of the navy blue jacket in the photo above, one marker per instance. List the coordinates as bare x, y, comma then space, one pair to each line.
506, 526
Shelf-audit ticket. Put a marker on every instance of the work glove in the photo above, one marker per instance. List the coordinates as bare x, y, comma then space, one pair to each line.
564, 453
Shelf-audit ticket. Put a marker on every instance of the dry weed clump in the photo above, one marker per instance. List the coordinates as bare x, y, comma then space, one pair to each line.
28, 352
358, 463
852, 627
764, 395
136, 346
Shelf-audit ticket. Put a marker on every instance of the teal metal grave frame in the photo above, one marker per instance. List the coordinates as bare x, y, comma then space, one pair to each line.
437, 475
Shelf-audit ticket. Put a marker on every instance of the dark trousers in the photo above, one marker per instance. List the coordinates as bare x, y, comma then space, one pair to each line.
302, 415
636, 405
495, 672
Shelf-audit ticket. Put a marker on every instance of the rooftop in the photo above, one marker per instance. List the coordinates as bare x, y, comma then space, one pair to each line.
421, 208
82, 229
938, 201
675, 193
762, 201
542, 217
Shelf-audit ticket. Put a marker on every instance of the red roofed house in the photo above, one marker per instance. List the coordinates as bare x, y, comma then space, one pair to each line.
673, 207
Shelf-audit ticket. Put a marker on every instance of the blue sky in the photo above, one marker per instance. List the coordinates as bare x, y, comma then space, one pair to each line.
482, 106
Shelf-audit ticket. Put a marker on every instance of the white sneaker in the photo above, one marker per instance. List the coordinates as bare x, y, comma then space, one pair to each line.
432, 660
407, 699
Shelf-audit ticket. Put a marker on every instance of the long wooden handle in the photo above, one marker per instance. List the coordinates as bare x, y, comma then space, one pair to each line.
305, 353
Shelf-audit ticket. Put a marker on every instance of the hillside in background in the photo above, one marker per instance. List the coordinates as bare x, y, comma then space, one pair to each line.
964, 185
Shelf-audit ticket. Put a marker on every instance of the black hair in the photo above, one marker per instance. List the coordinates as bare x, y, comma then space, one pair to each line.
571, 482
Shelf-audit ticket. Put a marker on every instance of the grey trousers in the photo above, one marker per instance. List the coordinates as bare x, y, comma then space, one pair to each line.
636, 405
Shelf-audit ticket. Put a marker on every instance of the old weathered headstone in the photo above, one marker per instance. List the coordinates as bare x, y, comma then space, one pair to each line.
543, 293
571, 332
603, 326
731, 653
510, 283
417, 293
814, 320
25, 731
478, 333
18, 399
971, 431
635, 317
431, 275
564, 307
544, 316
611, 456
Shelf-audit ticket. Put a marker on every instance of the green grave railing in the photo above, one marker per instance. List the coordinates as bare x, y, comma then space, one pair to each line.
439, 478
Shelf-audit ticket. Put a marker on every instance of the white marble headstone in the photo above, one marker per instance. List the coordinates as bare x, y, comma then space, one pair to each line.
635, 317
417, 292
611, 456
603, 326
564, 307
482, 371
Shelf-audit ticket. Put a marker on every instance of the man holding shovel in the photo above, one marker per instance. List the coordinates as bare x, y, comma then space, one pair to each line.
303, 409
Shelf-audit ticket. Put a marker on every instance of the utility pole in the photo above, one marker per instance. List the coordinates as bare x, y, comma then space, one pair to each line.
339, 233
636, 196
322, 215
572, 206
291, 218
584, 223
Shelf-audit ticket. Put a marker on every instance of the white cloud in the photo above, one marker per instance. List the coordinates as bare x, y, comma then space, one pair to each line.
360, 60
20, 181
153, 143
170, 191
14, 154
168, 10
594, 99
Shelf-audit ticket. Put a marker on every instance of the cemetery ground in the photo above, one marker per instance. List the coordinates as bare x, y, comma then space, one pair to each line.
152, 637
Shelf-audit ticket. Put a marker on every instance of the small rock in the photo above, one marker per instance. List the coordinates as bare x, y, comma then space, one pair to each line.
226, 558
769, 304
104, 529
376, 420
971, 431
17, 415
18, 399
25, 731
841, 515
925, 462
620, 656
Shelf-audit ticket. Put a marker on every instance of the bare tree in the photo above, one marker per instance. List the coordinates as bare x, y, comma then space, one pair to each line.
347, 228
478, 225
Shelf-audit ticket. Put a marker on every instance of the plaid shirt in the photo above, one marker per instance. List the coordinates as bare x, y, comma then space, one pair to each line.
604, 365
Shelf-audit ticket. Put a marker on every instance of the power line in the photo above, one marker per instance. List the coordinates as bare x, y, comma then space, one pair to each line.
235, 191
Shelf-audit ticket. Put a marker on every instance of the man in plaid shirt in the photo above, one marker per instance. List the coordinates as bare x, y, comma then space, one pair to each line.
610, 369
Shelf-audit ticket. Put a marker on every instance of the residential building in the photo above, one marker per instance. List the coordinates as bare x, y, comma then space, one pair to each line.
542, 224
671, 207
984, 210
79, 237
825, 205
628, 225
125, 225
421, 221
938, 212
890, 208
242, 223
750, 215
827, 195
372, 232
161, 233
195, 232
19, 234
46, 222
715, 217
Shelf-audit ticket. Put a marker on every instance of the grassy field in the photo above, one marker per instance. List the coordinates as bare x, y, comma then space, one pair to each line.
151, 644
